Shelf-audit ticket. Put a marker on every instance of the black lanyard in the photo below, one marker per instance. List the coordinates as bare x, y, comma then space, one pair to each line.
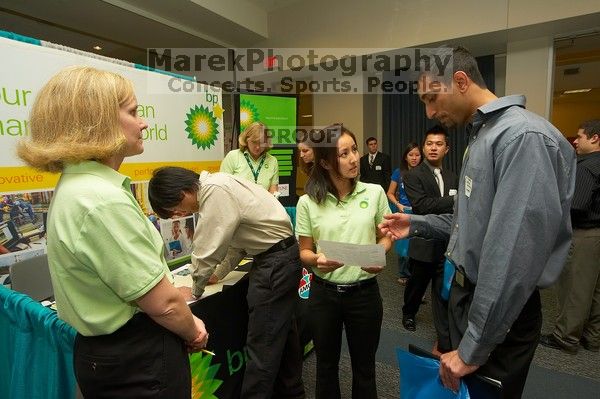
255, 174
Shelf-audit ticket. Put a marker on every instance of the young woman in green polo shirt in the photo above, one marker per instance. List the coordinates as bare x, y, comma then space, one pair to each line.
338, 207
110, 279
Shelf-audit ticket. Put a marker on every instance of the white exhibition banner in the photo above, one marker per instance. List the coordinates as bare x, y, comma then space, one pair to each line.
184, 128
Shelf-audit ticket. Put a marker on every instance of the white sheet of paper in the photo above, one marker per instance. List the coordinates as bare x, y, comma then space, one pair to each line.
353, 254
186, 280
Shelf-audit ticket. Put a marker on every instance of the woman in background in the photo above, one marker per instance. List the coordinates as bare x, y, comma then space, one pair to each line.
338, 207
411, 157
306, 159
110, 278
306, 153
252, 160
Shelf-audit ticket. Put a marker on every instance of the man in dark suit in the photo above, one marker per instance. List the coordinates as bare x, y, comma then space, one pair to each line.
375, 166
430, 189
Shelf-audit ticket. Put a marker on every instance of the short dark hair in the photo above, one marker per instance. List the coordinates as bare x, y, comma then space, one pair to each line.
411, 146
591, 127
167, 187
369, 139
462, 60
319, 182
437, 129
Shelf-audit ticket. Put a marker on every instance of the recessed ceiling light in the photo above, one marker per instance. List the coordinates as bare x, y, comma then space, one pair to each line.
576, 91
97, 48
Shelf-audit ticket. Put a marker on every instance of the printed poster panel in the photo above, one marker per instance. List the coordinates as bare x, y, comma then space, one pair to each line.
183, 130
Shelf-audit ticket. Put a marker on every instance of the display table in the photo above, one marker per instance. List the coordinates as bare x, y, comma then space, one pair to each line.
36, 356
225, 315
37, 348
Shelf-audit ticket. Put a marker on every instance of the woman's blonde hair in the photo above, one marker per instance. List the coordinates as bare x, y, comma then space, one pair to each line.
75, 118
256, 131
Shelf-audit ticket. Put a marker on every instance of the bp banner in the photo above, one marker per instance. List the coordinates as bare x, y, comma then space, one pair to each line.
185, 128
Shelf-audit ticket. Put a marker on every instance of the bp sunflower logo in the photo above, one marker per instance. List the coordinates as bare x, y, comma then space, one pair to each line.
204, 383
248, 114
202, 127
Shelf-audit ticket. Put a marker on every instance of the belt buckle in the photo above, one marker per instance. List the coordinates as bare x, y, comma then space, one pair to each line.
341, 289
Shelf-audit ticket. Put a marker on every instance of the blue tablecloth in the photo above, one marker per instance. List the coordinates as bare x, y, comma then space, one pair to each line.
36, 357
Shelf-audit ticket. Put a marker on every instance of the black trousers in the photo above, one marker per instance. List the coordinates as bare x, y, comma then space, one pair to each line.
140, 360
274, 368
361, 313
509, 362
422, 274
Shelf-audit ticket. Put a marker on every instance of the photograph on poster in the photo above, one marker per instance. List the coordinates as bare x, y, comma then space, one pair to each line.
22, 226
178, 235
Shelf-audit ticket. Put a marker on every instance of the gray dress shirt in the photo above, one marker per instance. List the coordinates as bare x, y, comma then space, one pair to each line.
511, 228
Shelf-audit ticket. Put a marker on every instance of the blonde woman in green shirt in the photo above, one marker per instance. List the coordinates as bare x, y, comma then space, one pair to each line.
338, 207
252, 160
110, 278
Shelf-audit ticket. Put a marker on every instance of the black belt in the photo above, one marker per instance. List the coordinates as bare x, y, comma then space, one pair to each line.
344, 288
280, 246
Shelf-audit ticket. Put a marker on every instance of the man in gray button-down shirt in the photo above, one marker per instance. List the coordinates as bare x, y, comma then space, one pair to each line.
511, 228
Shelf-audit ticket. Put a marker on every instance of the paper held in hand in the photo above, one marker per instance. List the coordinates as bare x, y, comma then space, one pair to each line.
353, 254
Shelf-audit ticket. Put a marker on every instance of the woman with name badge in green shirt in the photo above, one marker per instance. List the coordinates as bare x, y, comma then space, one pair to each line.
252, 160
110, 278
338, 207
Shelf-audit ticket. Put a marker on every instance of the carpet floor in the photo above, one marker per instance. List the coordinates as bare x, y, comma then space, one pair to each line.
553, 374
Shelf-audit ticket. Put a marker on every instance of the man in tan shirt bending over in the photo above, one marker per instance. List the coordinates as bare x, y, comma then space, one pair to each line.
239, 216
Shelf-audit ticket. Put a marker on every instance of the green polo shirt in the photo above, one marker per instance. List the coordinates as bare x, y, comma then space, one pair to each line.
353, 220
103, 251
235, 163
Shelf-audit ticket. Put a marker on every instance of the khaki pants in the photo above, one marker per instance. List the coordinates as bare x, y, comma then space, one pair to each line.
579, 291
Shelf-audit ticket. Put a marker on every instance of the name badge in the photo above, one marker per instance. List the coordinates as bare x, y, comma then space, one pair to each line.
452, 192
460, 279
468, 186
377, 167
